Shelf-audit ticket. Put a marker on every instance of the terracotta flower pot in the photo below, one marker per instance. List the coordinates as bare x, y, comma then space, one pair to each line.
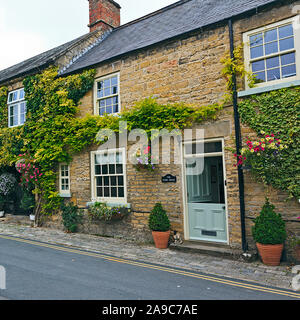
161, 239
270, 253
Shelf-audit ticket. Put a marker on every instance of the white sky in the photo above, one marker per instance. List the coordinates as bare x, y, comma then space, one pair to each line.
30, 27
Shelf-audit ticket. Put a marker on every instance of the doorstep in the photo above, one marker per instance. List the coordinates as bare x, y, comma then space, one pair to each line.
214, 249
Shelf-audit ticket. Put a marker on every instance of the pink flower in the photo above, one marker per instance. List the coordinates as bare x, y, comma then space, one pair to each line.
298, 218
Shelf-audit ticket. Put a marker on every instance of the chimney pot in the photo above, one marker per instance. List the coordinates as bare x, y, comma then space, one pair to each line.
104, 15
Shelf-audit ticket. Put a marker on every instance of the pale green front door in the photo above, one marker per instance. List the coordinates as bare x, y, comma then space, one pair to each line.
206, 195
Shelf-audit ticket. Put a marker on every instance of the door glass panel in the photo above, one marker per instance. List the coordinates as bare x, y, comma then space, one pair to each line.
200, 147
206, 186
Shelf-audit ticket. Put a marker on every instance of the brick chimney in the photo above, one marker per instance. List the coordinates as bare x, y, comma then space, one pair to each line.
104, 15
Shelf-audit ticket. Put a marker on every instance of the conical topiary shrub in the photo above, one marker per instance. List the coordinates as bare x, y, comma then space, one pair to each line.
159, 223
269, 234
158, 219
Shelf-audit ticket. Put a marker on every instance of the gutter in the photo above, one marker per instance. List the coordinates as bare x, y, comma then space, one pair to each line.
238, 140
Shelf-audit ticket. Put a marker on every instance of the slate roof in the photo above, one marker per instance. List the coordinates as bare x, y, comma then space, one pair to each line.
39, 61
179, 18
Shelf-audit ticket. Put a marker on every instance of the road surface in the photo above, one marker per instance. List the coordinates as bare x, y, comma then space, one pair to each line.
41, 271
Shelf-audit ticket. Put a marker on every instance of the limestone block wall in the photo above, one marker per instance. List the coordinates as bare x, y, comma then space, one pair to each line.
187, 69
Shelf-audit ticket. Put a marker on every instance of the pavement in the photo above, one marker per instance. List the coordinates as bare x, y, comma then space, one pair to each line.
254, 272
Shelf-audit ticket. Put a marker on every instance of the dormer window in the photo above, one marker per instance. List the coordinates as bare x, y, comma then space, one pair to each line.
16, 108
271, 52
107, 95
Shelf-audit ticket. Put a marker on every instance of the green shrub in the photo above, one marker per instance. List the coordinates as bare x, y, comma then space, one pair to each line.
72, 216
158, 219
269, 228
27, 202
101, 211
2, 202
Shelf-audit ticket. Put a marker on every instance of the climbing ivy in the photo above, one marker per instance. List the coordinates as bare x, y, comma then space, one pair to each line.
235, 66
277, 112
149, 114
53, 132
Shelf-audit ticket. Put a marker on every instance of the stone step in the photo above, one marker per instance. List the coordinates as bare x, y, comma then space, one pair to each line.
219, 250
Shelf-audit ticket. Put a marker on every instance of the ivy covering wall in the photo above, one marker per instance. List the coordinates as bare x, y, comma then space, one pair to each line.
53, 132
277, 112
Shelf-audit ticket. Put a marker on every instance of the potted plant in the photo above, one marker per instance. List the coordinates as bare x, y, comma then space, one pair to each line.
269, 234
2, 202
159, 223
28, 203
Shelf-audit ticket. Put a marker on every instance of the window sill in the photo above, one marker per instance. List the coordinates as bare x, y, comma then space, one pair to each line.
16, 126
259, 90
66, 195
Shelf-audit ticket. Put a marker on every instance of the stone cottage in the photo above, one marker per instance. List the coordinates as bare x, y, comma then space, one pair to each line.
174, 55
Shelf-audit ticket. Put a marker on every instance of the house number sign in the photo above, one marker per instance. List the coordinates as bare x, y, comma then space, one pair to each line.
169, 178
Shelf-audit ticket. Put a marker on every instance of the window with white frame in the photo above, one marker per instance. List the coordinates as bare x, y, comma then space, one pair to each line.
271, 52
16, 108
108, 175
64, 179
107, 95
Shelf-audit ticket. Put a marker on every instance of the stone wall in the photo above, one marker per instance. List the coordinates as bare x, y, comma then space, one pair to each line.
187, 69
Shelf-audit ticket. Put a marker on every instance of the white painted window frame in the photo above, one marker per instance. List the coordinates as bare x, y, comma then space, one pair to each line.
116, 200
64, 193
17, 103
246, 39
96, 99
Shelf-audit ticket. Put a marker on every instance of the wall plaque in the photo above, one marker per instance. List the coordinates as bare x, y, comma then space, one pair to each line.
169, 178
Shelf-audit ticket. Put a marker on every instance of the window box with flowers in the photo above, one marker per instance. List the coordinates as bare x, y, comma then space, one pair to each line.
105, 212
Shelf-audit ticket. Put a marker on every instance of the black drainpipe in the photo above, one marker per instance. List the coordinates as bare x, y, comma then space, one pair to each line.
238, 140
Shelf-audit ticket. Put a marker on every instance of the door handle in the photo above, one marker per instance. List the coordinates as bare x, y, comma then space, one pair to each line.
224, 208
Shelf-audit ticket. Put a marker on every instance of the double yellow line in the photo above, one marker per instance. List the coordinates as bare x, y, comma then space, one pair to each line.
160, 268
